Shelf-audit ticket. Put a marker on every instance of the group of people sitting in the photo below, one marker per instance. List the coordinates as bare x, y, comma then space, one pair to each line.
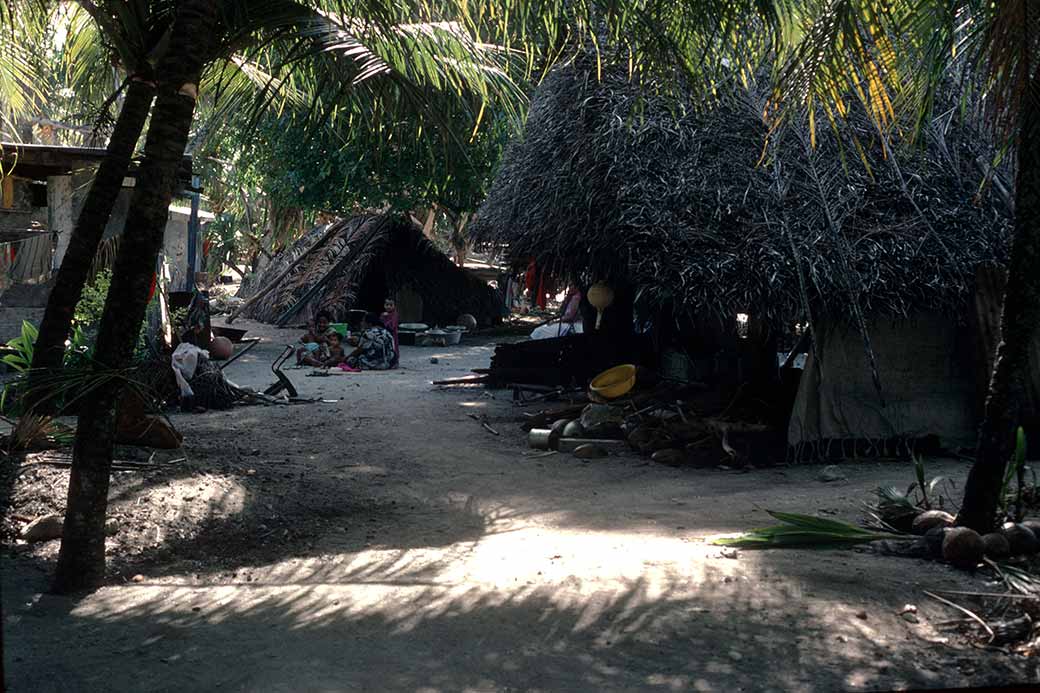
375, 348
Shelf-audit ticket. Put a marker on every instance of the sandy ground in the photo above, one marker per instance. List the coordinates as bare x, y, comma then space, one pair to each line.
383, 540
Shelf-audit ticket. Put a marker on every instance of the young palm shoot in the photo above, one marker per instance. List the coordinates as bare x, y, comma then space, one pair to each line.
802, 531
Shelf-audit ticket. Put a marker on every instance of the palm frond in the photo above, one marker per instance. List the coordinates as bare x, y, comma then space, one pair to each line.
802, 531
21, 34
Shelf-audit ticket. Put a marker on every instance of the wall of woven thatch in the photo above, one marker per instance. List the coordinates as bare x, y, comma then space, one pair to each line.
385, 253
700, 213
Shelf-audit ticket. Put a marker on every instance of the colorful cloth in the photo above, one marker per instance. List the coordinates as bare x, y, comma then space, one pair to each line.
377, 350
571, 302
211, 389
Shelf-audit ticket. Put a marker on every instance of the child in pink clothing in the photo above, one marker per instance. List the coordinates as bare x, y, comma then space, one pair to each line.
391, 320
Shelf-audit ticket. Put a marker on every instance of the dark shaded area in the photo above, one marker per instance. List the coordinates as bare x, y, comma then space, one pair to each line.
643, 636
571, 360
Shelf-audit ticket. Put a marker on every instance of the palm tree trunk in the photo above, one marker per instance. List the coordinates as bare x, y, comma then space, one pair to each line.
90, 227
81, 560
1019, 322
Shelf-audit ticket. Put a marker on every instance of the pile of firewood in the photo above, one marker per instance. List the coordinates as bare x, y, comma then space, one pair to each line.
662, 422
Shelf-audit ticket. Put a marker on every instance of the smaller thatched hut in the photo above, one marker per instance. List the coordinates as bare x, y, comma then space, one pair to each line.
356, 263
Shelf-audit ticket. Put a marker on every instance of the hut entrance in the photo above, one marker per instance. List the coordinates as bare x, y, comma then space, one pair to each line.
372, 292
409, 304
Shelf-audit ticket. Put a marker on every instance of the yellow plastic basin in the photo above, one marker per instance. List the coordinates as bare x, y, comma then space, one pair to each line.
613, 383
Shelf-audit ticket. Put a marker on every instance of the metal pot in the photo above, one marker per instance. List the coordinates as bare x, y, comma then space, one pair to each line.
542, 439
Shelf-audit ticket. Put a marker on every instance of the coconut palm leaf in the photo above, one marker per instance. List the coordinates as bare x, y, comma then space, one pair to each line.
802, 531
22, 30
896, 56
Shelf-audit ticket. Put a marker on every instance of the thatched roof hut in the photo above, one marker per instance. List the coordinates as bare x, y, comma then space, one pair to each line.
705, 215
699, 214
355, 263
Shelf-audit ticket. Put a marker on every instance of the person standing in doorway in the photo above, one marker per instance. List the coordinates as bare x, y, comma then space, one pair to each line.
391, 320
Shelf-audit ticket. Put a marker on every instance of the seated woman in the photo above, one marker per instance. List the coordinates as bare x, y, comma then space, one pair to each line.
569, 322
375, 346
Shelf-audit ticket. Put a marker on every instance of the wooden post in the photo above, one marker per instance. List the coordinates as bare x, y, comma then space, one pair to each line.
59, 216
7, 192
431, 217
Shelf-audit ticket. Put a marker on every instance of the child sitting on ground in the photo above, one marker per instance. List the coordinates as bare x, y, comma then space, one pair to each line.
336, 354
315, 348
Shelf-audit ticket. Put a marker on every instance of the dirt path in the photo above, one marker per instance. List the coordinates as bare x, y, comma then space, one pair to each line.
385, 541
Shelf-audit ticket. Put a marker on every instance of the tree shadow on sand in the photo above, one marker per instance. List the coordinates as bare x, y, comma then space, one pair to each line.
389, 623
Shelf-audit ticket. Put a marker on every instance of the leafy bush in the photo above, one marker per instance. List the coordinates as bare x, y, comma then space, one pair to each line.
79, 349
1016, 470
22, 345
92, 303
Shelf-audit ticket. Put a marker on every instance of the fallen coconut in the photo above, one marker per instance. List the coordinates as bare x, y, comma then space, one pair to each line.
573, 429
640, 436
996, 545
221, 348
556, 432
669, 456
933, 539
558, 426
930, 519
1020, 538
43, 528
962, 547
589, 451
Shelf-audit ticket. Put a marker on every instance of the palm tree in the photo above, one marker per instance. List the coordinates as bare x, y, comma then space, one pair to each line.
81, 558
382, 66
128, 38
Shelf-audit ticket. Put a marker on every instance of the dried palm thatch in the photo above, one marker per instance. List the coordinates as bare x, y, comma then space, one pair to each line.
359, 262
701, 214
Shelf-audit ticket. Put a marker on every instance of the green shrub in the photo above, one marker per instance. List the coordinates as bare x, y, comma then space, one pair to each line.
22, 345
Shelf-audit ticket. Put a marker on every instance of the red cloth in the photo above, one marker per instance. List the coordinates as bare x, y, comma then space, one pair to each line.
531, 277
390, 322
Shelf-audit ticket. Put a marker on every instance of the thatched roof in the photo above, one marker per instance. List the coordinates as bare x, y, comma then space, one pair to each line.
606, 183
385, 252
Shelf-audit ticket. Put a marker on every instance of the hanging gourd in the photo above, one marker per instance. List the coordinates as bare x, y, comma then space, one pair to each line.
600, 297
